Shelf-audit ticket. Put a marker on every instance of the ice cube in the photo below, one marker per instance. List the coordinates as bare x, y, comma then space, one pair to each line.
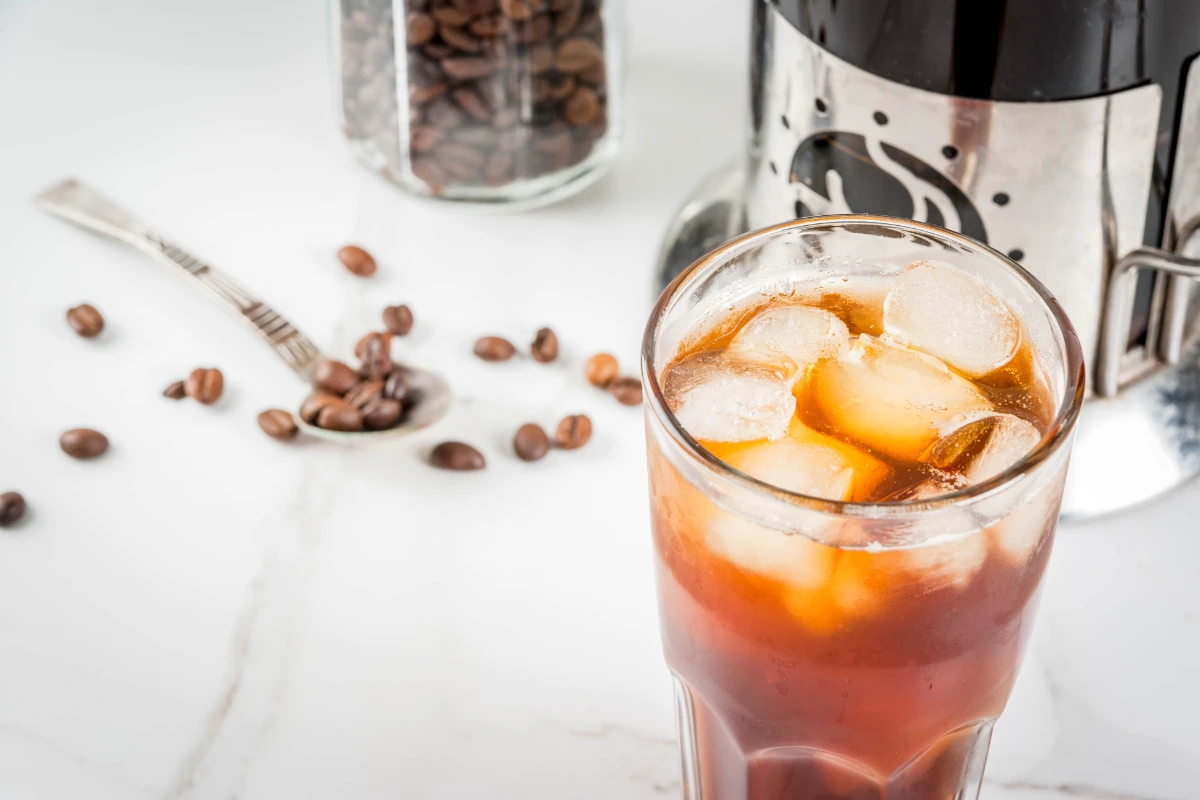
952, 316
1018, 536
800, 334
942, 565
1011, 439
718, 397
889, 398
790, 558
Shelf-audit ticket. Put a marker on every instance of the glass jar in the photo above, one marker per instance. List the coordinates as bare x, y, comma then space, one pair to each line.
488, 101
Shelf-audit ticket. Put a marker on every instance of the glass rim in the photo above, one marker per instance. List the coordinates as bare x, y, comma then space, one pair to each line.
1051, 442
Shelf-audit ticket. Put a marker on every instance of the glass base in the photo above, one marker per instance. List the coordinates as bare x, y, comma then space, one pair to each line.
716, 766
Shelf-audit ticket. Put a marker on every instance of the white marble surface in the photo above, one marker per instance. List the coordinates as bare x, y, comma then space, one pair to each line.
206, 613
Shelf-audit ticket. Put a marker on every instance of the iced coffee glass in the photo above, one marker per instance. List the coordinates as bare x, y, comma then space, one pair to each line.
858, 430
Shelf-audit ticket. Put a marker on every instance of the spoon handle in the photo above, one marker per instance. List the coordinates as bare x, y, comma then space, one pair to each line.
87, 208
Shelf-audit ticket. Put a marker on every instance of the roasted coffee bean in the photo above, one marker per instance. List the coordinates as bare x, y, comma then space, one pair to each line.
545, 346
494, 348
533, 31
424, 138
472, 102
460, 39
175, 391
381, 413
360, 347
278, 424
340, 416
398, 319
357, 260
582, 107
12, 508
364, 392
573, 432
628, 391
489, 27
334, 377
568, 17
456, 456
467, 68
601, 370
85, 320
595, 75
83, 443
475, 7
444, 114
205, 385
541, 59
418, 29
377, 357
449, 15
516, 9
419, 95
578, 54
315, 403
437, 51
530, 442
399, 385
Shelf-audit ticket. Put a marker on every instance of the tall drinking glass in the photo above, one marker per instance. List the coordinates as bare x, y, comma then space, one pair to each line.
872, 655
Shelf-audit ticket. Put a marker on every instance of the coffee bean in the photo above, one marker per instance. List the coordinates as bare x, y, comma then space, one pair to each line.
360, 347
628, 391
357, 260
425, 137
460, 39
340, 416
12, 508
531, 442
205, 385
573, 432
449, 15
456, 456
334, 377
494, 348
398, 319
578, 54
377, 356
516, 9
85, 320
278, 424
399, 385
420, 95
175, 391
381, 413
83, 443
472, 102
545, 346
475, 7
489, 27
568, 17
601, 370
364, 392
582, 107
418, 29
541, 59
314, 404
595, 74
467, 68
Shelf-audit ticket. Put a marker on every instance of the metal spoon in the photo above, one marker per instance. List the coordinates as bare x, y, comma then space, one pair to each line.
87, 208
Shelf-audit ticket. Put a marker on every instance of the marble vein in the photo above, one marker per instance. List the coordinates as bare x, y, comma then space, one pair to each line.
77, 760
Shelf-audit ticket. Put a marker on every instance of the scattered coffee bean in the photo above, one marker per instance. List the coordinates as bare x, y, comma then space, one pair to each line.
531, 442
12, 508
381, 413
364, 392
573, 432
494, 348
398, 319
399, 385
315, 403
175, 391
601, 370
628, 391
83, 443
377, 356
334, 377
278, 424
205, 385
545, 346
456, 456
357, 260
340, 416
86, 320
360, 347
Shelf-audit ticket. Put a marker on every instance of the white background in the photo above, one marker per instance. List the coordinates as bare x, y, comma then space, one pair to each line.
206, 613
